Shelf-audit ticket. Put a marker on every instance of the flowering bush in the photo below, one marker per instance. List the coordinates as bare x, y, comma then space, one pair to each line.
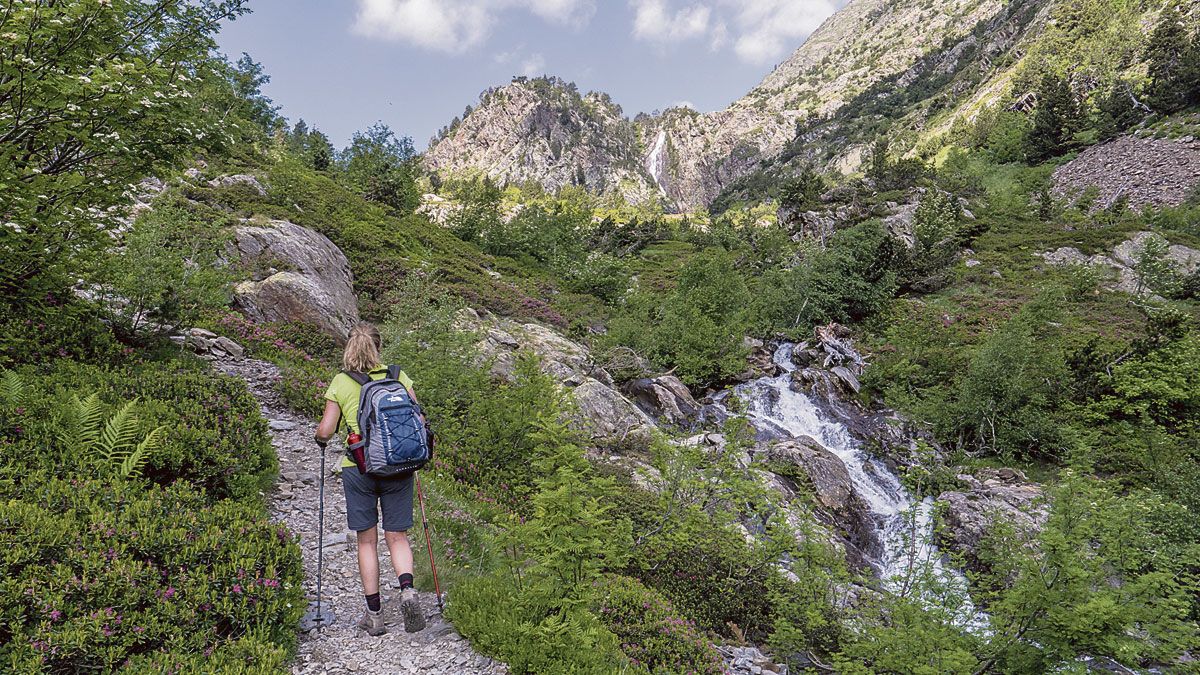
291, 347
96, 573
653, 634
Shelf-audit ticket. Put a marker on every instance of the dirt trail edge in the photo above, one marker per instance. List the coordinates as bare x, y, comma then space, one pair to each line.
341, 648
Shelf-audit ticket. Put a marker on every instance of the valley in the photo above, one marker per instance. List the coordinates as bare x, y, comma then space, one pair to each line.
889, 367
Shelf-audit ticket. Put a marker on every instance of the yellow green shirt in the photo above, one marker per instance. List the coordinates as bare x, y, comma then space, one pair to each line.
344, 391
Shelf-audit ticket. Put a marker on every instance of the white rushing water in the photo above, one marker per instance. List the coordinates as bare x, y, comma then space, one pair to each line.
654, 161
904, 526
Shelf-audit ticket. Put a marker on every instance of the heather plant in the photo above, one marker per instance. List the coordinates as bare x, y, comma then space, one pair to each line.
100, 573
653, 634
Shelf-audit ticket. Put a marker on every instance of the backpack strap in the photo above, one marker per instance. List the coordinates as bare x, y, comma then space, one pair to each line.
361, 378
393, 372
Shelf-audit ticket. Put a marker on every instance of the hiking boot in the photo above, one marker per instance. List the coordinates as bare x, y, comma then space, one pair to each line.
410, 609
372, 623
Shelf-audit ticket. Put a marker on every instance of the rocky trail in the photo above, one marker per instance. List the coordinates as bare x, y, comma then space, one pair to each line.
341, 648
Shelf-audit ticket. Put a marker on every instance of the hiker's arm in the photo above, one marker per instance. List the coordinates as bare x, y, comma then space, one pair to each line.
329, 421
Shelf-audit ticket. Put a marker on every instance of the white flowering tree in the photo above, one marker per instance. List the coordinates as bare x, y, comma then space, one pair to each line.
95, 95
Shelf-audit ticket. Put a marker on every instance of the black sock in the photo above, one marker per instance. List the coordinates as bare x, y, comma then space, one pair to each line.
406, 581
373, 602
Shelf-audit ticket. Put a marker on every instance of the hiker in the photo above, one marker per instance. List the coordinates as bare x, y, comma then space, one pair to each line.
366, 494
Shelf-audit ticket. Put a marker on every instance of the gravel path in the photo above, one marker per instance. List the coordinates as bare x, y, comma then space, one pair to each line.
341, 648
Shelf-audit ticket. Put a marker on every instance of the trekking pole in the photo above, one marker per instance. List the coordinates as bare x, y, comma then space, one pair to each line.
318, 618
429, 543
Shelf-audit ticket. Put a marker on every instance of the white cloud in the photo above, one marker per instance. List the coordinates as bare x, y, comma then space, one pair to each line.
770, 29
456, 25
533, 65
759, 31
655, 21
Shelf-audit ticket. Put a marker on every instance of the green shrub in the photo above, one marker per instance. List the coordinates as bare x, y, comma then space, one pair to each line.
707, 572
97, 572
696, 330
652, 633
54, 329
213, 435
535, 613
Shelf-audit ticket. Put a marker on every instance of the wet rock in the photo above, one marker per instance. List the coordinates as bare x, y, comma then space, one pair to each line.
760, 360
297, 275
814, 468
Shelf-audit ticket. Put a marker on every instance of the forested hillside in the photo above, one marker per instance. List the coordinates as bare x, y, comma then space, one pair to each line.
933, 414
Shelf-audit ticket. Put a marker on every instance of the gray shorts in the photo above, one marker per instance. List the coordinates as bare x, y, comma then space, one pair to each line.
365, 493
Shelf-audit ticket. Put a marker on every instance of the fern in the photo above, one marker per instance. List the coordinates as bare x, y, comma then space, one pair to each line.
133, 463
120, 433
12, 389
113, 441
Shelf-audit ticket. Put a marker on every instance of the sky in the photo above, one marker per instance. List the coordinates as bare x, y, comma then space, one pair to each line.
414, 65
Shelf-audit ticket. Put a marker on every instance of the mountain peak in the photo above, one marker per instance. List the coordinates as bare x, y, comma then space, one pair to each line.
543, 130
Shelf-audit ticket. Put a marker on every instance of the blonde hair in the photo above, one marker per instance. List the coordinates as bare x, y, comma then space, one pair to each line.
362, 349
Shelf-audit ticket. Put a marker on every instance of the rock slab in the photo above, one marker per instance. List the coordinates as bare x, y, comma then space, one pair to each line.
297, 275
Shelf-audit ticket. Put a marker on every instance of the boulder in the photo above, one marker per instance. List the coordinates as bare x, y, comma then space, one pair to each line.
297, 275
249, 182
760, 359
1119, 266
806, 462
666, 398
208, 344
607, 416
502, 341
825, 471
989, 496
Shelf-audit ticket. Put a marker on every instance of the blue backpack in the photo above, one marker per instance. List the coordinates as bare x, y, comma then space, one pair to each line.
395, 439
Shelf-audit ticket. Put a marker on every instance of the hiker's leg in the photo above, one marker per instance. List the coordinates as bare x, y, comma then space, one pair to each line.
396, 500
402, 557
368, 560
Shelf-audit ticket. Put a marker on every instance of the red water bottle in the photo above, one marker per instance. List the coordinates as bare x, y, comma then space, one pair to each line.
357, 454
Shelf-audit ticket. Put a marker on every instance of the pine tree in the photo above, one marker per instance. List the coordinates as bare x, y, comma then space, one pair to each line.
1117, 111
1171, 57
1055, 120
318, 150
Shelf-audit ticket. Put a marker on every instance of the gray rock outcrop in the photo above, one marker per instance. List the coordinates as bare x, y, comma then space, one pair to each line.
296, 274
666, 398
813, 467
1119, 268
602, 412
607, 416
543, 130
989, 496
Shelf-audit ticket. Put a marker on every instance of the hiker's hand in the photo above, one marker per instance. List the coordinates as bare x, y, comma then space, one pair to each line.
323, 442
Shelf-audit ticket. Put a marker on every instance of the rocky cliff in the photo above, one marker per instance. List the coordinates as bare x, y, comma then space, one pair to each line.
543, 130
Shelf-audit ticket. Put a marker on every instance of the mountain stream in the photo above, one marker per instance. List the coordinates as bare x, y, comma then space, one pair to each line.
903, 526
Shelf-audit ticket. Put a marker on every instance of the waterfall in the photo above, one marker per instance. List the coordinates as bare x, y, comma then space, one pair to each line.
903, 525
654, 161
